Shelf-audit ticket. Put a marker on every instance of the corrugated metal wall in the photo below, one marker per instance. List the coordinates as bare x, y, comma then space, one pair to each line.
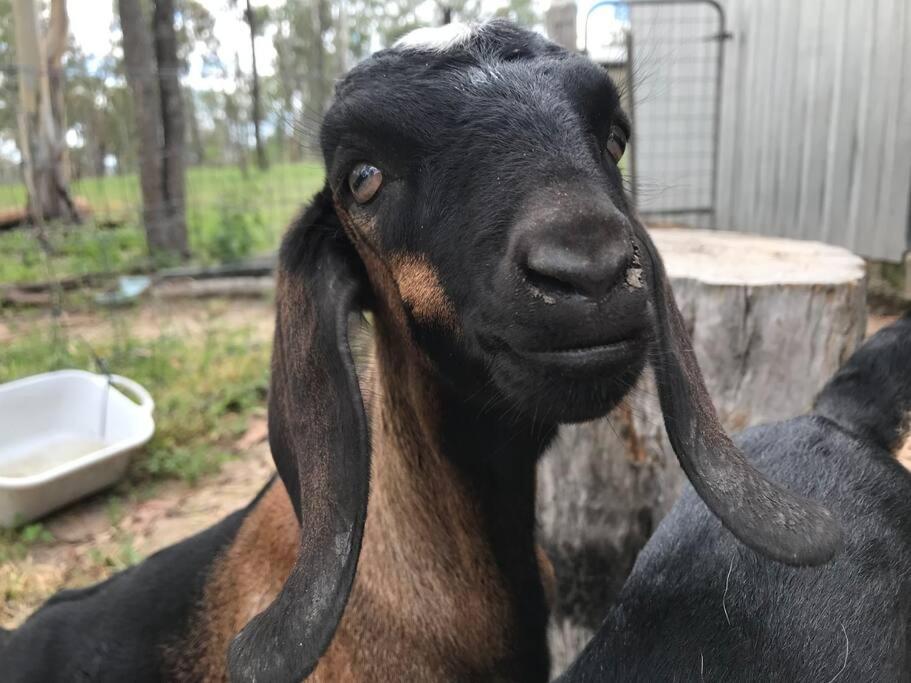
815, 125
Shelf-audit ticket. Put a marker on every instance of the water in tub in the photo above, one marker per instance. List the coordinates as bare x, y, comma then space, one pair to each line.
48, 453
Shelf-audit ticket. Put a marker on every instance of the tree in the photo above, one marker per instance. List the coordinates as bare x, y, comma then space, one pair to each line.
315, 42
255, 18
97, 109
173, 128
302, 71
261, 160
236, 132
152, 68
41, 119
196, 33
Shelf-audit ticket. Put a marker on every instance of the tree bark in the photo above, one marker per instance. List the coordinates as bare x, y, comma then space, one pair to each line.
153, 75
140, 65
771, 320
41, 118
173, 127
261, 161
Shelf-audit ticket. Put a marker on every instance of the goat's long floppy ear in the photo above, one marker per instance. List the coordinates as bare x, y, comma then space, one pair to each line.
318, 435
764, 516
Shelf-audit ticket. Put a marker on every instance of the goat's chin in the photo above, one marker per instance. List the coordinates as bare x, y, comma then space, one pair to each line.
554, 395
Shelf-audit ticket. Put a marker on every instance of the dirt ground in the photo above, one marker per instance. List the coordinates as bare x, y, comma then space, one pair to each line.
92, 539
87, 547
155, 317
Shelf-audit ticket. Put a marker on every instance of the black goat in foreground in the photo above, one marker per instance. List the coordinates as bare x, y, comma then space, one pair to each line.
698, 606
474, 205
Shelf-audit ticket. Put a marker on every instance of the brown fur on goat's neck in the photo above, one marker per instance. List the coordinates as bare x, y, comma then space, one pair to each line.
447, 586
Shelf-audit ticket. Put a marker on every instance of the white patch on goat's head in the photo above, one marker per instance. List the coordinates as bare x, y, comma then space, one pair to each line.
436, 38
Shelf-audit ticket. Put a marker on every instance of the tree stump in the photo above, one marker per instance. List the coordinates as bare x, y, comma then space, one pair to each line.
771, 320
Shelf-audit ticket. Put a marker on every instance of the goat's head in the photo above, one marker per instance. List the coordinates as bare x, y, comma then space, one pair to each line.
473, 193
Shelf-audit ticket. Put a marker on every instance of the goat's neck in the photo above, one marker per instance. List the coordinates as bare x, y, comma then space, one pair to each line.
449, 541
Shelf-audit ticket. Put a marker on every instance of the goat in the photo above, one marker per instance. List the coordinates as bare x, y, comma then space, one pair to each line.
699, 607
473, 204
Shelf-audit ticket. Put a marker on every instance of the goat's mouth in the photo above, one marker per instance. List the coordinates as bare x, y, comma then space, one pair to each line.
589, 358
570, 383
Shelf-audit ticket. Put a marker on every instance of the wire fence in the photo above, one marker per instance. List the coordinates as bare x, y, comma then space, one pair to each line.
233, 207
667, 56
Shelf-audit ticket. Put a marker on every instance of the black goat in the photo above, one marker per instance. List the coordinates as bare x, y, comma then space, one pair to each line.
698, 606
473, 203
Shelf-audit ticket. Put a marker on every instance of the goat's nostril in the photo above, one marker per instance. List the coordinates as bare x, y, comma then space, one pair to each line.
547, 283
562, 271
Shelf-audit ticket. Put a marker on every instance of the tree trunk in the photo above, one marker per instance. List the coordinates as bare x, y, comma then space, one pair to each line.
55, 47
771, 320
153, 75
140, 65
41, 119
172, 127
101, 153
261, 161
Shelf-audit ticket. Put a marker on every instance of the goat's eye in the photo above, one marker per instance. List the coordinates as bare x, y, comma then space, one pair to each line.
364, 181
616, 143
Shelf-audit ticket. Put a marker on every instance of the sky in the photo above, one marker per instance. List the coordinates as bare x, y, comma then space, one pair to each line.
94, 29
92, 24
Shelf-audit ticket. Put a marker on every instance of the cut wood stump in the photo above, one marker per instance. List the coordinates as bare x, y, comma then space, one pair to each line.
771, 320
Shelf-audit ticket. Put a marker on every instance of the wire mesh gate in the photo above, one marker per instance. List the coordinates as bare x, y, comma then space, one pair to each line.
667, 58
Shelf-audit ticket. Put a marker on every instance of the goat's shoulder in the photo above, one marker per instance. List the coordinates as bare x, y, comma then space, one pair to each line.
243, 580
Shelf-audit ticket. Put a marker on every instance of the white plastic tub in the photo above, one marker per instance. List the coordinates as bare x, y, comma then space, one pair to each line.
64, 435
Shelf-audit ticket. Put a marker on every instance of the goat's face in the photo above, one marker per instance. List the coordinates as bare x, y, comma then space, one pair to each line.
485, 177
473, 198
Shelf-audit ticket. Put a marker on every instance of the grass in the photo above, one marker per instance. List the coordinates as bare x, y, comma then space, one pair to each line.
15, 543
205, 390
229, 216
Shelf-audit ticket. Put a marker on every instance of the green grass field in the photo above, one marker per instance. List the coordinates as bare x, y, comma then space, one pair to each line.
229, 216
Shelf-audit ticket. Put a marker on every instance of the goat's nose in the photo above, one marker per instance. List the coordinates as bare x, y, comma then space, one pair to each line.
585, 260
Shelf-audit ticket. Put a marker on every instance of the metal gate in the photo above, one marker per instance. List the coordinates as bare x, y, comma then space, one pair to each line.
667, 58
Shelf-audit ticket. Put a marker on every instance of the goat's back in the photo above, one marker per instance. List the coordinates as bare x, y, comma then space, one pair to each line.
700, 606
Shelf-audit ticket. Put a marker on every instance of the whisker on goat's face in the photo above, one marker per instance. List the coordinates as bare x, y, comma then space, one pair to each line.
493, 164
